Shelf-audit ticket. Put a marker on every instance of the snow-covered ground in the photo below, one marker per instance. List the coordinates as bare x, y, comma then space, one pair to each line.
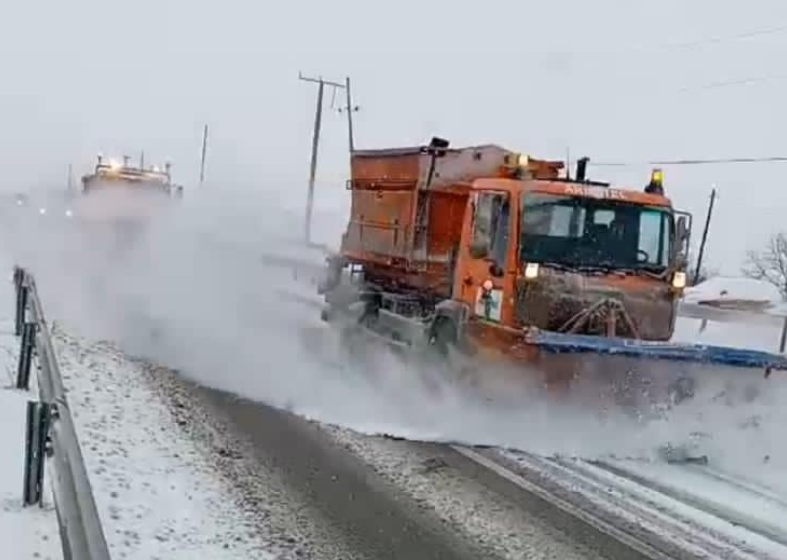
753, 505
694, 518
726, 289
25, 532
158, 492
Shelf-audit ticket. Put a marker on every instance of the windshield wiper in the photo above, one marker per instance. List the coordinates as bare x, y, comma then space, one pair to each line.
613, 268
641, 270
655, 270
598, 267
601, 268
577, 267
559, 266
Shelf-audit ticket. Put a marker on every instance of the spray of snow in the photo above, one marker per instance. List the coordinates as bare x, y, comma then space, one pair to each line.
192, 292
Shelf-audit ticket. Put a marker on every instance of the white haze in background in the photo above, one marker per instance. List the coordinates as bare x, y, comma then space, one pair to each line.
612, 80
194, 295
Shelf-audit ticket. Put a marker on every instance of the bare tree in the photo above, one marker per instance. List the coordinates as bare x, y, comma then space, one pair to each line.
770, 264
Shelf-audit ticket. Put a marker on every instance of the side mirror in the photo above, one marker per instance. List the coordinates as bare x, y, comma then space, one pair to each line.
682, 229
682, 240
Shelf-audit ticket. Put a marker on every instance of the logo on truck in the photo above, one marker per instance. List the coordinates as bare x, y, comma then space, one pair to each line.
596, 192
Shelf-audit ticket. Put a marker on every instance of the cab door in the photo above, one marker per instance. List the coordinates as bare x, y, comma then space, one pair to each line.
486, 269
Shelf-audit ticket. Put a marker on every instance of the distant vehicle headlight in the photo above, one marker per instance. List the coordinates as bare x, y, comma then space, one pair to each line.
42, 211
69, 213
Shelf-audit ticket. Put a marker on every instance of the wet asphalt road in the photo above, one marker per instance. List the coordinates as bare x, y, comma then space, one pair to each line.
367, 514
310, 496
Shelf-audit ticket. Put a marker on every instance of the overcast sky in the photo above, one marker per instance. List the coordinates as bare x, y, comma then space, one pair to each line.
614, 80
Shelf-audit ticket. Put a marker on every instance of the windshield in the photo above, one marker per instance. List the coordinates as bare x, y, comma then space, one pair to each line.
590, 232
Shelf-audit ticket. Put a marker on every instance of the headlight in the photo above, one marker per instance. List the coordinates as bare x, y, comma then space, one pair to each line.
69, 213
42, 211
679, 280
531, 271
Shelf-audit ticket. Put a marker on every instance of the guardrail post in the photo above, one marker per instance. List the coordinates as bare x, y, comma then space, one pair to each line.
26, 356
50, 433
36, 442
21, 299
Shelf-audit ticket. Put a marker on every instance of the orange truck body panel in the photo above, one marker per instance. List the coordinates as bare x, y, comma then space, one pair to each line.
406, 216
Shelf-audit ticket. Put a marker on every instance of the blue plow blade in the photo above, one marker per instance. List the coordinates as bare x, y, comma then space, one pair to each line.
558, 343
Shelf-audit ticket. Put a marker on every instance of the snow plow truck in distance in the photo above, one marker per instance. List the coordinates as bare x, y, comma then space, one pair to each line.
119, 201
120, 193
116, 175
496, 255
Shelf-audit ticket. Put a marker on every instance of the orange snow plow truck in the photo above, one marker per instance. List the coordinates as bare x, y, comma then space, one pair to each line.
497, 255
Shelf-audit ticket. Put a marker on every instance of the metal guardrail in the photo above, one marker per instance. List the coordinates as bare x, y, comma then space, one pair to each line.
51, 433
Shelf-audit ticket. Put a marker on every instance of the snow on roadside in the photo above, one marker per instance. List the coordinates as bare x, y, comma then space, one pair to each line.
760, 506
157, 494
24, 532
724, 289
698, 530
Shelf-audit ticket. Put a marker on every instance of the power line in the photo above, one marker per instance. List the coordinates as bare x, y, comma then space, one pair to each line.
739, 82
716, 161
728, 38
698, 43
717, 40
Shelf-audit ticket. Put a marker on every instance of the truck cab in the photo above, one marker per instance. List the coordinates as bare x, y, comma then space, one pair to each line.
573, 257
126, 195
115, 175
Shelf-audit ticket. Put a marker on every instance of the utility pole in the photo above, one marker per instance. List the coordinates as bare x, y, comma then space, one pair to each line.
204, 153
350, 109
68, 180
705, 234
315, 146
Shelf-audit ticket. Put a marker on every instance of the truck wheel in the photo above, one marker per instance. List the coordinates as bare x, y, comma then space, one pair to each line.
450, 357
443, 336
